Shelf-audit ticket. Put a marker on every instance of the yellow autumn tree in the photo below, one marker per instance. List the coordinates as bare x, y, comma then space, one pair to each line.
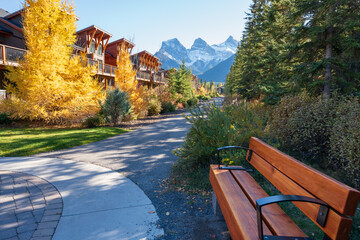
50, 84
125, 80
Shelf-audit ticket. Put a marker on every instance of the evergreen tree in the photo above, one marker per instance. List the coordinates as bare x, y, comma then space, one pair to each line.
293, 45
115, 106
180, 82
261, 68
246, 68
328, 43
51, 84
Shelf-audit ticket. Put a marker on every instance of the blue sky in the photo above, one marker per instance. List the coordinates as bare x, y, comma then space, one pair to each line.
149, 22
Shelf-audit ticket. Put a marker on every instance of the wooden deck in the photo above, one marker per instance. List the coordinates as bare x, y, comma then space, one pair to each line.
10, 56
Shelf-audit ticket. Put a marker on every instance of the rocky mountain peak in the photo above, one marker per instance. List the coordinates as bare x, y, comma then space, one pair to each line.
200, 57
199, 43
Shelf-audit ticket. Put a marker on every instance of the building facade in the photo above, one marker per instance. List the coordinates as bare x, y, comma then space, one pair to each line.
93, 41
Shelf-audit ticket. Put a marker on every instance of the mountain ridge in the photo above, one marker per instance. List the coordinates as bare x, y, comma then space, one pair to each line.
219, 72
201, 57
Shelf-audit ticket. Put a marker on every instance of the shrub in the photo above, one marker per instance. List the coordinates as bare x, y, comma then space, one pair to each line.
154, 107
321, 131
213, 127
115, 106
344, 140
203, 97
181, 99
192, 102
94, 121
5, 119
167, 107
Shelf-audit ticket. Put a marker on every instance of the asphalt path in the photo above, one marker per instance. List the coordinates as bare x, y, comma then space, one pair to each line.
145, 157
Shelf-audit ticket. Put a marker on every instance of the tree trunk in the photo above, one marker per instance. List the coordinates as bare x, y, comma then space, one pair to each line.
329, 47
327, 76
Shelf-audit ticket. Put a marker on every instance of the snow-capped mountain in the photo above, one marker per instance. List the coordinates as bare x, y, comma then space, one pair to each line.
200, 57
219, 72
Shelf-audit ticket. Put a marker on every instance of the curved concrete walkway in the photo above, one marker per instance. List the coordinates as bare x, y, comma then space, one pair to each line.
143, 155
98, 203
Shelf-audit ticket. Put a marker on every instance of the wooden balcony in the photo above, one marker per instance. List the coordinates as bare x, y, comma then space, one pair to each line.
143, 76
158, 79
10, 56
149, 78
102, 69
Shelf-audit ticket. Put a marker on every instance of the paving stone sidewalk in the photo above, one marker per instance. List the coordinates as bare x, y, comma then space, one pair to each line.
95, 203
30, 207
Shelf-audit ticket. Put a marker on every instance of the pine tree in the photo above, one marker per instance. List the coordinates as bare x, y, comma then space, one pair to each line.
289, 46
115, 106
328, 44
125, 80
180, 82
51, 84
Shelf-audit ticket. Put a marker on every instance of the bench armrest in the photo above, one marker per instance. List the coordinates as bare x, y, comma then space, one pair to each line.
322, 214
235, 167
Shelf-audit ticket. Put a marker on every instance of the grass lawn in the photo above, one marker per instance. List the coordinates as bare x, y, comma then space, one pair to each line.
28, 141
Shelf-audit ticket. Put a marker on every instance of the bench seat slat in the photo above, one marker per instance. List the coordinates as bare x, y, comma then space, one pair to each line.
238, 212
338, 195
337, 226
276, 219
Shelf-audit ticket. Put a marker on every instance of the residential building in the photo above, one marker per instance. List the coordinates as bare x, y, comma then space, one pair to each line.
147, 68
93, 41
12, 42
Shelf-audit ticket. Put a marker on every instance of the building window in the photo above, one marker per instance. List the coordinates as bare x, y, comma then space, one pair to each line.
100, 50
92, 47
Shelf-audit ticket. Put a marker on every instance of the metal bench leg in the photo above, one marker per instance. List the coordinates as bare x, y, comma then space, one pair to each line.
216, 207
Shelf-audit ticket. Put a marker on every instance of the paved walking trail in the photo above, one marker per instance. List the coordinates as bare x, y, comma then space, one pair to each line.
90, 201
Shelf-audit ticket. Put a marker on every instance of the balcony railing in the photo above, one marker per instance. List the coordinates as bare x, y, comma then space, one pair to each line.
147, 77
11, 56
143, 76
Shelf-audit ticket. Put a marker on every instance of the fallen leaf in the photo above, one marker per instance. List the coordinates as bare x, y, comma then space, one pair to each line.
151, 212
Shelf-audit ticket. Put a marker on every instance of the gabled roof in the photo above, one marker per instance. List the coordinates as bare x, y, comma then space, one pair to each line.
145, 53
3, 12
93, 27
120, 41
7, 22
14, 14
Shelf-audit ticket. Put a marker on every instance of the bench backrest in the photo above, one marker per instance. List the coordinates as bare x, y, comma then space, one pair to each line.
292, 177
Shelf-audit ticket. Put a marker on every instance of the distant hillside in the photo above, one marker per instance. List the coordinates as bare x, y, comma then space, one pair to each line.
219, 72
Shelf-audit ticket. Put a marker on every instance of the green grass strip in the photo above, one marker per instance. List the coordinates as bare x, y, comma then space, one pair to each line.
28, 141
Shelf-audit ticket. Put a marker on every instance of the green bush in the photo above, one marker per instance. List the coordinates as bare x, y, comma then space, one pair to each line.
192, 102
94, 121
204, 98
167, 107
154, 107
212, 128
214, 94
5, 119
115, 106
344, 152
321, 131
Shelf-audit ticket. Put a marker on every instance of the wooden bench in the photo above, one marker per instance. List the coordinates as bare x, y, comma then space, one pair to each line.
324, 200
